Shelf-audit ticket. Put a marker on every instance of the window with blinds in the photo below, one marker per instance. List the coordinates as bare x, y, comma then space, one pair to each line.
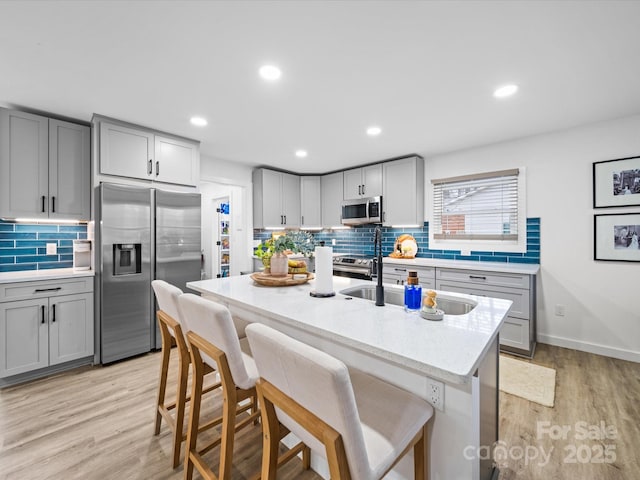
476, 207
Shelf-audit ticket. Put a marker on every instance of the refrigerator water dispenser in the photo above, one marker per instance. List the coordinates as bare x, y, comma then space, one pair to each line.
82, 254
126, 258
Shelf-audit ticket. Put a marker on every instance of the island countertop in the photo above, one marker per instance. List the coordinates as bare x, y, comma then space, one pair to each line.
450, 350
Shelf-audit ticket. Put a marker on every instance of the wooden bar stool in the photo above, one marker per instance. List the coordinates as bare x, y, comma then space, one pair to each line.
362, 425
213, 341
170, 323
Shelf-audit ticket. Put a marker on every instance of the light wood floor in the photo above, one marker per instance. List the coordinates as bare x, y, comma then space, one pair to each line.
97, 423
590, 389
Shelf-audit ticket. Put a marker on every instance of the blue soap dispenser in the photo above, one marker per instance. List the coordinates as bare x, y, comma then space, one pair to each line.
412, 293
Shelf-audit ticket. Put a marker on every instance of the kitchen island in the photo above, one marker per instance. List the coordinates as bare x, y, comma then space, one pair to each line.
460, 353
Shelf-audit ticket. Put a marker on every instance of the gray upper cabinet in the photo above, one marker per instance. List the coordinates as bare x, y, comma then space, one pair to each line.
332, 196
44, 167
311, 202
276, 199
176, 161
127, 151
403, 196
363, 182
69, 170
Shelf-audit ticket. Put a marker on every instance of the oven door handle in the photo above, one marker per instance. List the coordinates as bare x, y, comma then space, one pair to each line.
361, 271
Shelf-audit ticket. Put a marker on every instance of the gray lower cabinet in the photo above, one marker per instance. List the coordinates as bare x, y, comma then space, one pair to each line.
518, 334
45, 324
396, 274
44, 167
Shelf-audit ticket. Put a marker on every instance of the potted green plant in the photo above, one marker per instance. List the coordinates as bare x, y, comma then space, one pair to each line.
279, 260
306, 245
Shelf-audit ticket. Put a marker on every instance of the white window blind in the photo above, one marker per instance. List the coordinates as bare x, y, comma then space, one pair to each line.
476, 207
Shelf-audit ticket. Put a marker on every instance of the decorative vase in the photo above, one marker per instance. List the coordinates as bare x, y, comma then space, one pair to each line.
279, 265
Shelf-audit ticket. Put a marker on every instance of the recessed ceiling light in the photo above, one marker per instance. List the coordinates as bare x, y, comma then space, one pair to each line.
505, 91
270, 72
199, 121
373, 131
301, 153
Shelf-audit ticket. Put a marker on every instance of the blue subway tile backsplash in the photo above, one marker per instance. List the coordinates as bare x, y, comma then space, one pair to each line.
359, 240
23, 245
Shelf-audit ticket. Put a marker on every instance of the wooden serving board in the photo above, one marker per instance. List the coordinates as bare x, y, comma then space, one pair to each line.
271, 281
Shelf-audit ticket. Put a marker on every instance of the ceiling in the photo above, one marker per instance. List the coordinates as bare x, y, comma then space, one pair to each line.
424, 71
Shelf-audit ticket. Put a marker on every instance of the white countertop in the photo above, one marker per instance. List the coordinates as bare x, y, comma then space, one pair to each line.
52, 274
450, 350
522, 268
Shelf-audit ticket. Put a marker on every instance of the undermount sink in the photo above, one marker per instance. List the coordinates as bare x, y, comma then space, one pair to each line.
395, 296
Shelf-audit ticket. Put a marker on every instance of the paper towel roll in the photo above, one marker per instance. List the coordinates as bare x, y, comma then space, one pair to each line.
324, 270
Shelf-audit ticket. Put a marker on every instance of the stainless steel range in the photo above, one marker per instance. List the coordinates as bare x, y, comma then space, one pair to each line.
354, 266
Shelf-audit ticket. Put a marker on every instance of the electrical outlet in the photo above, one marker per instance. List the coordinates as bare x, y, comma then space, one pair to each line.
560, 310
333, 242
435, 394
466, 253
52, 249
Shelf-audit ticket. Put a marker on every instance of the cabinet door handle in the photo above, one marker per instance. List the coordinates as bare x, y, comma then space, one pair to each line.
53, 204
400, 269
43, 199
285, 219
302, 220
477, 277
359, 189
157, 168
362, 189
42, 313
39, 290
150, 167
53, 308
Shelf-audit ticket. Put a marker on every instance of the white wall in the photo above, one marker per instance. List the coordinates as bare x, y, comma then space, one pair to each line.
219, 179
602, 299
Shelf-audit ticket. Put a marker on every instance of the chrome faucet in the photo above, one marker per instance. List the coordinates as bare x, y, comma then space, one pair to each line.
377, 251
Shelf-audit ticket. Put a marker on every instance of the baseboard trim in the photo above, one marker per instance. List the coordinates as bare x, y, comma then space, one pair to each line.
589, 347
44, 372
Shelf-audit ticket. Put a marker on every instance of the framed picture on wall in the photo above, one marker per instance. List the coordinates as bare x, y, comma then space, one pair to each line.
616, 183
617, 237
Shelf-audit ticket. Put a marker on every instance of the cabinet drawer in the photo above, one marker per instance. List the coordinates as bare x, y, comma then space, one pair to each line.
515, 333
401, 280
479, 277
519, 297
46, 288
426, 273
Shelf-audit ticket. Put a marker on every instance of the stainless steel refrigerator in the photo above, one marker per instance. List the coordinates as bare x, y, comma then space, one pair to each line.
144, 233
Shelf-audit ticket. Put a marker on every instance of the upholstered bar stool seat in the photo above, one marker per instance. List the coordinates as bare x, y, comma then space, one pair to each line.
362, 425
171, 326
213, 341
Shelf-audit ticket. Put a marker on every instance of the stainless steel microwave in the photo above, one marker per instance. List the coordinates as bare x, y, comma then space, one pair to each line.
361, 211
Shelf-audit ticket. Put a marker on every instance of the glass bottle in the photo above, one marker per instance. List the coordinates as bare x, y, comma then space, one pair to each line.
412, 293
